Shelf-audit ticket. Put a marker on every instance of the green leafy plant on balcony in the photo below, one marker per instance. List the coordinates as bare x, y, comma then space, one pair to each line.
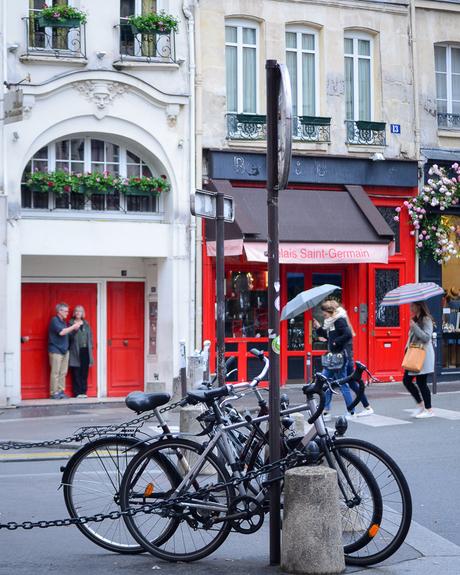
61, 16
154, 23
57, 182
96, 183
145, 185
60, 182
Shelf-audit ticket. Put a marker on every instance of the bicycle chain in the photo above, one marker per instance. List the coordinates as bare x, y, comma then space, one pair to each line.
282, 464
77, 437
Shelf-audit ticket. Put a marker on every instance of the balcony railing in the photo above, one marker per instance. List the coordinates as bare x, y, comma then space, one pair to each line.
449, 121
311, 129
54, 42
147, 48
254, 127
246, 126
364, 133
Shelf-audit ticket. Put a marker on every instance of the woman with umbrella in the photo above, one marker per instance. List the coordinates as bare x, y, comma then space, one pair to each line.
420, 334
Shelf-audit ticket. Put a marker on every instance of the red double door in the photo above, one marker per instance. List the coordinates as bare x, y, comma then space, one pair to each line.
125, 335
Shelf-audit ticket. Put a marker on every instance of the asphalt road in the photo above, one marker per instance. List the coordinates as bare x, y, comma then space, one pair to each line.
427, 450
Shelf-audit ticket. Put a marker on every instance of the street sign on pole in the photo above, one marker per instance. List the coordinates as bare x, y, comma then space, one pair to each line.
203, 204
279, 142
214, 205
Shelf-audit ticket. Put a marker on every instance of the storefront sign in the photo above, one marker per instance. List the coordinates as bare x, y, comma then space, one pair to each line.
231, 248
13, 106
299, 253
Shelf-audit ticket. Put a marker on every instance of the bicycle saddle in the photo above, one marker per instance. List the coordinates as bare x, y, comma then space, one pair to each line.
204, 396
139, 401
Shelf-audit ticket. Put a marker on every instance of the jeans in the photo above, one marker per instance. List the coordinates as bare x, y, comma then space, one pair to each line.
354, 386
345, 389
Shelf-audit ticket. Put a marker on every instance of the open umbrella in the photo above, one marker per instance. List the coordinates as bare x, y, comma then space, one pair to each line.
306, 300
409, 293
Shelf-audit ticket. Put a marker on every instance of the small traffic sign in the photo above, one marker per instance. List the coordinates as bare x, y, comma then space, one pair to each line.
203, 204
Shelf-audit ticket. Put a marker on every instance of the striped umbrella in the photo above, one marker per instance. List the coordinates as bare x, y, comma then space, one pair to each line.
409, 293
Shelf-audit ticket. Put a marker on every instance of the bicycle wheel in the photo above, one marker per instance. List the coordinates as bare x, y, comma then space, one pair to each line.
359, 496
91, 482
396, 499
200, 526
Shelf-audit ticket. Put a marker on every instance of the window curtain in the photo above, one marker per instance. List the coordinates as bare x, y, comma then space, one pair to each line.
232, 78
249, 80
364, 89
455, 68
291, 63
150, 41
440, 61
349, 96
308, 84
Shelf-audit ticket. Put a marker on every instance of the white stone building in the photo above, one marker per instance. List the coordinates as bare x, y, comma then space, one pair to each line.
97, 98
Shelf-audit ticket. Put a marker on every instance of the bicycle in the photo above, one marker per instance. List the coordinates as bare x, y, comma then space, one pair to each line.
211, 503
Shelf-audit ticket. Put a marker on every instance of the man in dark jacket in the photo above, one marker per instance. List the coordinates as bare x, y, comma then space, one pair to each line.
58, 350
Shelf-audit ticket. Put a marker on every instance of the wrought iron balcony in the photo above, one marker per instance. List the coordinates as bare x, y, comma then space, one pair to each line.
364, 133
147, 48
449, 121
246, 126
311, 129
55, 42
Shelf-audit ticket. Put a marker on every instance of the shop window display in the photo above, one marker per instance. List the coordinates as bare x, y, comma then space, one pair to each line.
451, 303
246, 311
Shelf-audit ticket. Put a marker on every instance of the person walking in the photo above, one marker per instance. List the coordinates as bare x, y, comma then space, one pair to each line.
81, 353
350, 367
338, 334
58, 349
420, 332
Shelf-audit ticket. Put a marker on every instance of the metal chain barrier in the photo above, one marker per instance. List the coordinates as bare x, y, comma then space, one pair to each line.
290, 460
87, 433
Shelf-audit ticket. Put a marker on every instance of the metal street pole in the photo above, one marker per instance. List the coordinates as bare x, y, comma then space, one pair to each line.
273, 85
220, 281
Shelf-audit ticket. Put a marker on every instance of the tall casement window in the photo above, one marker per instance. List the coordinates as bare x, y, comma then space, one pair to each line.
302, 63
241, 55
48, 38
447, 68
358, 77
141, 45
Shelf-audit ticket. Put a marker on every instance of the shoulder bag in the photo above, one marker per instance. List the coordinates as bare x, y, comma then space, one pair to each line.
414, 357
333, 361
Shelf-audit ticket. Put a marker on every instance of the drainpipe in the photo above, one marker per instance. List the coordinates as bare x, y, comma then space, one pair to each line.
188, 10
415, 85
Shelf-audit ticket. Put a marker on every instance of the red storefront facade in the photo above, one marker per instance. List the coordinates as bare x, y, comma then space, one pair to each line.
380, 332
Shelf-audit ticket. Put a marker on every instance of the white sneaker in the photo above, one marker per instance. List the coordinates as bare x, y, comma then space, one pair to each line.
424, 414
417, 411
327, 416
365, 411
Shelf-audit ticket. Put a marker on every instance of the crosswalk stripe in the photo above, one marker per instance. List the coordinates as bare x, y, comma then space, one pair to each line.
378, 420
443, 413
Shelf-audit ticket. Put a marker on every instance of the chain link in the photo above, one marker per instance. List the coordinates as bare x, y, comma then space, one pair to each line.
87, 433
289, 461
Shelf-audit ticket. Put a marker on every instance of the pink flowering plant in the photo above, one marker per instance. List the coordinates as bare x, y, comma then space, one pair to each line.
146, 185
434, 236
60, 182
60, 13
57, 182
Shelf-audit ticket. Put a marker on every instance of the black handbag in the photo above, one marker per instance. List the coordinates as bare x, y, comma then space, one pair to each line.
333, 361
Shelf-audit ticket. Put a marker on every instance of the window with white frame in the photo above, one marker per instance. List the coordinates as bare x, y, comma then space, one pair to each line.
302, 63
241, 59
447, 68
82, 155
43, 39
141, 45
358, 76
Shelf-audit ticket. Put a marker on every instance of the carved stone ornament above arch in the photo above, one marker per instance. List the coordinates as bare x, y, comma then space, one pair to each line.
102, 88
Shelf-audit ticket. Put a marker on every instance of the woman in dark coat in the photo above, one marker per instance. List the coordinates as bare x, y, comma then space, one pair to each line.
81, 353
339, 337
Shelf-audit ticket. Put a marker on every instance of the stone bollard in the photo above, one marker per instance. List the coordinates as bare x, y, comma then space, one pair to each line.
188, 422
312, 526
299, 422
